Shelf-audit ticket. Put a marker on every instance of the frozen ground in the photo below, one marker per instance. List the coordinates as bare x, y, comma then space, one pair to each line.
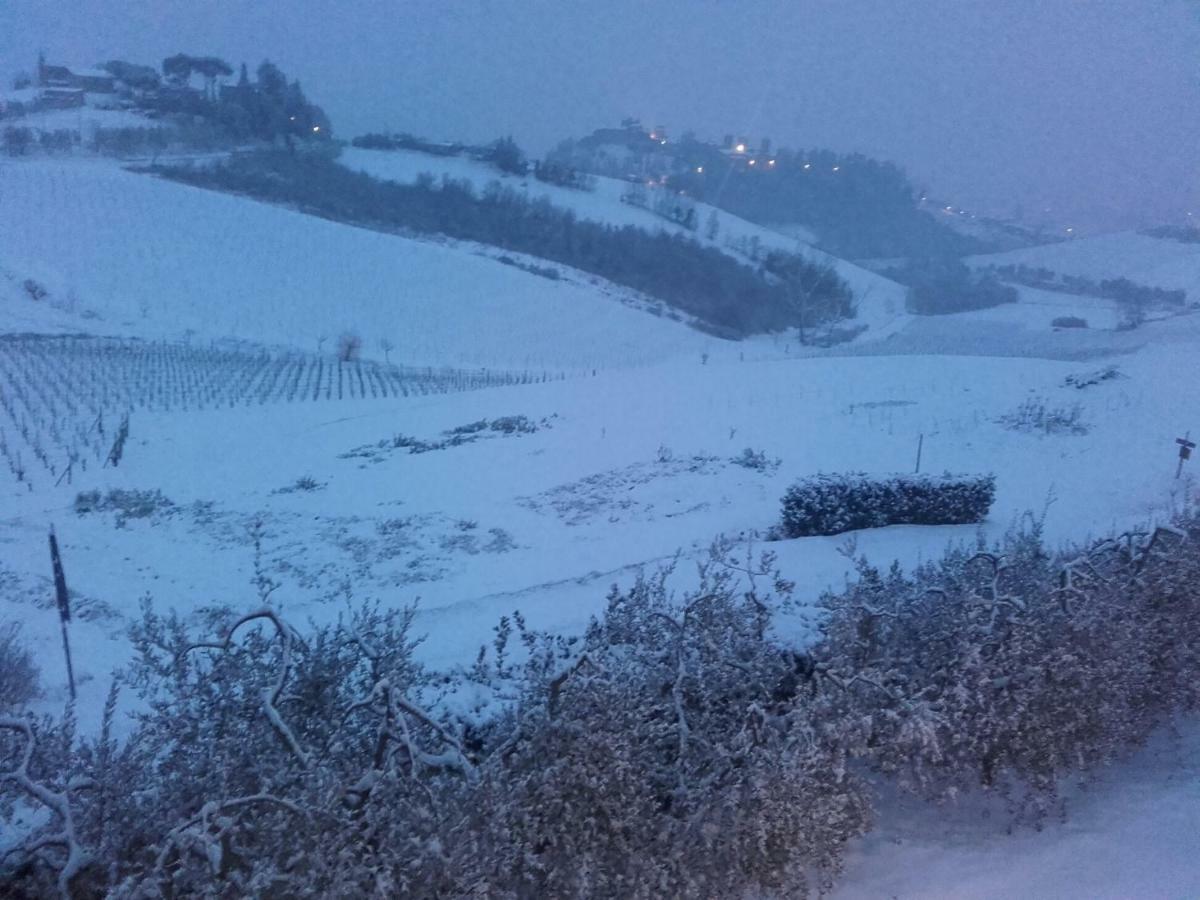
608, 472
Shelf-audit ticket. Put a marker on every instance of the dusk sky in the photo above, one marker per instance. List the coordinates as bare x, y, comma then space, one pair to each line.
1090, 109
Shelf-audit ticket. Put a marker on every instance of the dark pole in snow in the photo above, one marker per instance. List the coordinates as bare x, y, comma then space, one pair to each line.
1186, 447
920, 444
64, 606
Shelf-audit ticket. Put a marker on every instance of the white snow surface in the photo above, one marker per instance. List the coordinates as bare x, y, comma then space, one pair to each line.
628, 467
1158, 262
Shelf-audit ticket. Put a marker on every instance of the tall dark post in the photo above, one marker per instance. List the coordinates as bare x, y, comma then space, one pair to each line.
64, 606
920, 444
1186, 446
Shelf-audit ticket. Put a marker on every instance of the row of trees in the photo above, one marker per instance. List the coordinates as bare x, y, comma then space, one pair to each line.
676, 748
733, 299
123, 142
268, 108
937, 286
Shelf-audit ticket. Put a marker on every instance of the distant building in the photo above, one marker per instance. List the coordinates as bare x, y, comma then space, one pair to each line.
61, 78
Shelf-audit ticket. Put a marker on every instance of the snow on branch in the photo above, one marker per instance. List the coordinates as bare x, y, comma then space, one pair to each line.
271, 695
58, 802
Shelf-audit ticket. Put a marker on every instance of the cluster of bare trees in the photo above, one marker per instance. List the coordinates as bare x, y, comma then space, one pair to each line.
676, 748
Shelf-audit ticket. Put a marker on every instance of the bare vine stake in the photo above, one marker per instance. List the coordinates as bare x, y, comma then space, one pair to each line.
920, 444
64, 606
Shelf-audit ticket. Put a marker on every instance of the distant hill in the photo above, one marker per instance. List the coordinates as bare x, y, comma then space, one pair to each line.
858, 207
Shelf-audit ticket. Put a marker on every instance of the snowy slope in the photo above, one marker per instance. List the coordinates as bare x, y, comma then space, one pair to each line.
1157, 262
881, 301
146, 256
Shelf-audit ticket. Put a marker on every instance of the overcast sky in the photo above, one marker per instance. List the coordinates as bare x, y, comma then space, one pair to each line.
1090, 108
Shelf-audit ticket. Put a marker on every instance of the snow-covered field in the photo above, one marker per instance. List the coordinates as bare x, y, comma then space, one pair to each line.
607, 472
1158, 262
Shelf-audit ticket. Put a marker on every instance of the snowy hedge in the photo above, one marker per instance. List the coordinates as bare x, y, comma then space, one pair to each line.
831, 504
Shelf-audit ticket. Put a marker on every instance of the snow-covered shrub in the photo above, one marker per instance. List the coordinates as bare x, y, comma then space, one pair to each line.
127, 504
349, 347
18, 672
665, 754
35, 290
1008, 668
756, 460
513, 425
1036, 414
304, 484
831, 504
1081, 380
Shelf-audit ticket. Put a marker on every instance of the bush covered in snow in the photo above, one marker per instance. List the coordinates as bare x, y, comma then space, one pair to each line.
677, 748
831, 504
663, 753
1009, 667
1037, 414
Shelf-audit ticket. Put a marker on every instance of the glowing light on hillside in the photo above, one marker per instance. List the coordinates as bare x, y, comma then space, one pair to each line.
752, 162
316, 128
740, 148
770, 162
663, 141
700, 171
808, 165
837, 168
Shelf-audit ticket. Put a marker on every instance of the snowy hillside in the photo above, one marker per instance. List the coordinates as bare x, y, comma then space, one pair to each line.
1158, 262
138, 255
881, 301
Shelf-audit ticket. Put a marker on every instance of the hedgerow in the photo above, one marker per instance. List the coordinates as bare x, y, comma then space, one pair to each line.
832, 504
